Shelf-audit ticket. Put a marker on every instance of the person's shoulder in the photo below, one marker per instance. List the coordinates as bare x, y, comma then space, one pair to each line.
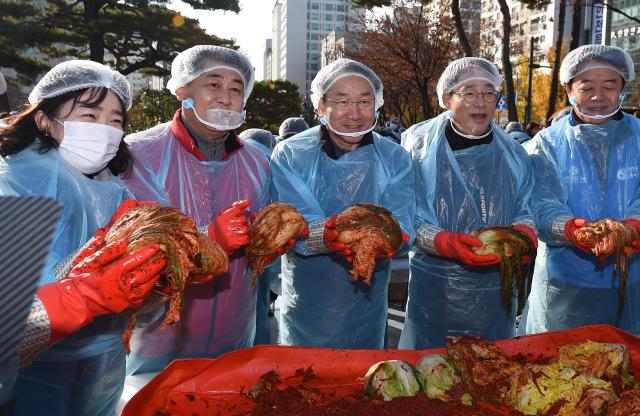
420, 127
298, 151
38, 172
305, 140
555, 131
256, 150
508, 140
418, 138
387, 144
31, 154
632, 120
152, 134
391, 153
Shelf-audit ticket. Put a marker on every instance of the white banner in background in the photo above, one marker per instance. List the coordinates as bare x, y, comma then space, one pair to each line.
598, 22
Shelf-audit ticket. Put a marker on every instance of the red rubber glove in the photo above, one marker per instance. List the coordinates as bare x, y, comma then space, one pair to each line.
532, 235
281, 250
632, 222
108, 281
92, 246
331, 236
97, 241
570, 228
390, 253
458, 246
292, 242
230, 229
126, 206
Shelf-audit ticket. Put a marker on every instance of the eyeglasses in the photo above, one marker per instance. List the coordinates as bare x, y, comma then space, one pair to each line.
471, 96
346, 104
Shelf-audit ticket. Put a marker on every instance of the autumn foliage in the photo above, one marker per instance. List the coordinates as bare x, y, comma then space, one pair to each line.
408, 45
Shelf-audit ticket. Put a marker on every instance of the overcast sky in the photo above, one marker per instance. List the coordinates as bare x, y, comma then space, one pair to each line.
249, 28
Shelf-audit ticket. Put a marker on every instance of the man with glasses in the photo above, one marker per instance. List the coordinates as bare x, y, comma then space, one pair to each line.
322, 172
471, 174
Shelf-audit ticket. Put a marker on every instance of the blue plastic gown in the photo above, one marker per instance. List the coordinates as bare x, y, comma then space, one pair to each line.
321, 304
267, 282
84, 373
220, 315
461, 191
591, 172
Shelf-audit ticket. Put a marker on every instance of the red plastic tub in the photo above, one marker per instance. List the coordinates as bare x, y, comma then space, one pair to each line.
215, 386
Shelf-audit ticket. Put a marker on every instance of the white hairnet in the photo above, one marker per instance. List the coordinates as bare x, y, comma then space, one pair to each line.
291, 126
200, 59
596, 56
466, 69
264, 137
79, 74
328, 75
513, 126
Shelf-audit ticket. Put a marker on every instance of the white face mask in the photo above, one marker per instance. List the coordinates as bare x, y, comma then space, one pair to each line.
574, 102
89, 147
324, 120
216, 119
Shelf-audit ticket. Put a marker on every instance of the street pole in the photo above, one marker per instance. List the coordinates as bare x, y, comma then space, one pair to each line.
527, 112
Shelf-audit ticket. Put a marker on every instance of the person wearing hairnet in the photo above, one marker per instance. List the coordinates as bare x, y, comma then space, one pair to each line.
268, 283
322, 172
68, 145
586, 169
514, 129
197, 163
292, 126
263, 138
471, 175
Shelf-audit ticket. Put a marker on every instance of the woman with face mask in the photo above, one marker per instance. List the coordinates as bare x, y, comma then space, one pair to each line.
586, 169
67, 145
472, 174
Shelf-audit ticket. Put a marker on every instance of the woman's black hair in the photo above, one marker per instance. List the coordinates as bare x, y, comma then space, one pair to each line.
22, 130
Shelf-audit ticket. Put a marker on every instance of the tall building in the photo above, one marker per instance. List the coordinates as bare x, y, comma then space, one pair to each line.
298, 28
618, 30
267, 57
539, 24
139, 80
470, 12
334, 46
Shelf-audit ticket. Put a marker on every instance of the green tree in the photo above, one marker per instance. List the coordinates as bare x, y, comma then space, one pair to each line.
271, 102
21, 31
150, 108
138, 34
